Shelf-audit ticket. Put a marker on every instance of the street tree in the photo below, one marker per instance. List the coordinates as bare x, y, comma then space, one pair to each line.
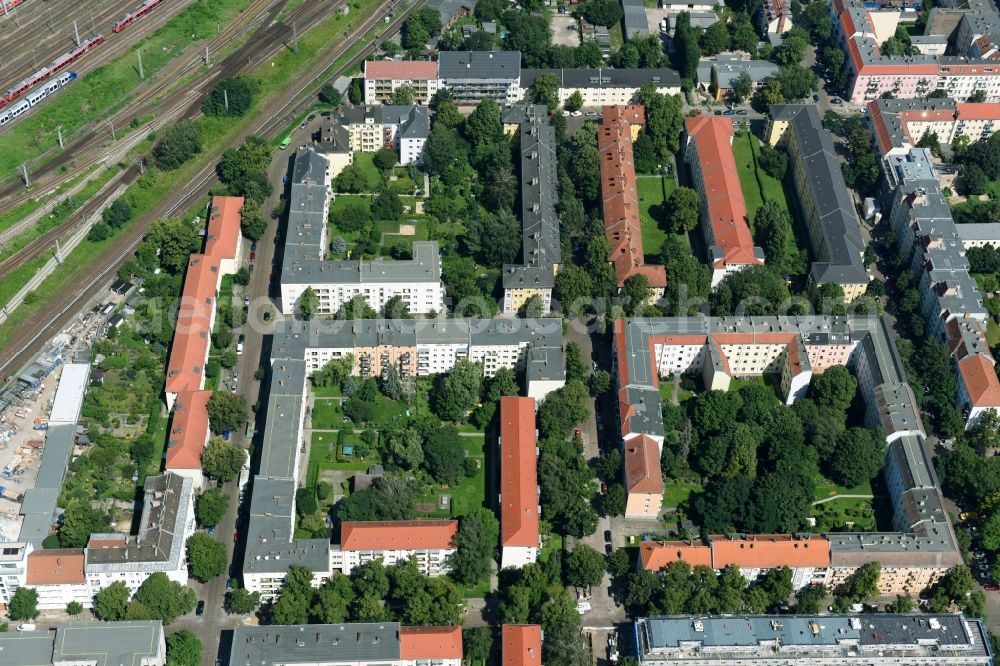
584, 566
477, 643
74, 608
111, 603
332, 601
211, 507
206, 557
222, 460
183, 649
308, 303
226, 412
164, 599
239, 601
741, 87
24, 604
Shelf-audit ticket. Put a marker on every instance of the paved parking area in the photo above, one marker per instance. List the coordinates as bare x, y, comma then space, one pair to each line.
565, 30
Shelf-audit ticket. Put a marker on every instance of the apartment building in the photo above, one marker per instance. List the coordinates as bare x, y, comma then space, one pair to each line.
861, 30
541, 249
830, 216
900, 124
521, 645
383, 77
140, 643
188, 436
789, 640
196, 310
429, 543
981, 234
472, 76
58, 577
358, 644
603, 86
302, 347
793, 348
417, 281
619, 195
717, 74
774, 19
724, 221
368, 129
519, 508
808, 555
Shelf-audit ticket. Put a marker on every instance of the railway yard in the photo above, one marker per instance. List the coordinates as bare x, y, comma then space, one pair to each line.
266, 39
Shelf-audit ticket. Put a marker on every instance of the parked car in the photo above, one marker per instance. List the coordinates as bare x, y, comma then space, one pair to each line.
992, 587
253, 255
211, 531
250, 268
200, 609
246, 301
582, 607
607, 535
253, 246
267, 316
28, 626
236, 537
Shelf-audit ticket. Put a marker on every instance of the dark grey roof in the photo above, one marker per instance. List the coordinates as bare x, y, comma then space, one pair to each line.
635, 18
801, 638
838, 253
33, 648
493, 65
449, 9
540, 243
108, 643
159, 545
270, 547
605, 77
40, 502
728, 68
347, 643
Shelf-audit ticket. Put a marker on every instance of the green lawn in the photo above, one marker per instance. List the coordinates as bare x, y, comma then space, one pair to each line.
325, 391
469, 494
856, 514
363, 162
826, 488
677, 492
327, 414
653, 192
992, 332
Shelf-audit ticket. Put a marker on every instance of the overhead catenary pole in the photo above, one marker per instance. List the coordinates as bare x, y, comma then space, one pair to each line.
27, 180
225, 99
59, 131
138, 54
76, 33
93, 26
295, 38
111, 123
208, 63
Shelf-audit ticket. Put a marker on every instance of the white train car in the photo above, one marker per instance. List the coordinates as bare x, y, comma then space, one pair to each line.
35, 97
15, 111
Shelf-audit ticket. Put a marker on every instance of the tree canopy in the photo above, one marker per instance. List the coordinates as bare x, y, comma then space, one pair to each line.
222, 460
206, 557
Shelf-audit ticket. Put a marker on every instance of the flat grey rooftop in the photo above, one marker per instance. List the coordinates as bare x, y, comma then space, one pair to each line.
107, 643
347, 643
486, 65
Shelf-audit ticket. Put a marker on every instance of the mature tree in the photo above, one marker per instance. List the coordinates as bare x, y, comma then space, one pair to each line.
797, 82
226, 412
615, 500
741, 87
239, 601
563, 409
308, 303
755, 291
117, 214
211, 507
715, 39
175, 240
683, 206
572, 287
387, 205
330, 95
99, 232
686, 50
475, 543
442, 150
332, 601
176, 145
457, 392
384, 159
972, 181
74, 608
664, 119
528, 34
809, 598
477, 643
863, 583
403, 95
292, 606
111, 603
483, 127
584, 566
356, 308
828, 299
305, 501
858, 457
164, 599
766, 95
790, 51
635, 293
575, 100
444, 456
494, 240
252, 222
545, 90
24, 604
79, 521
183, 649
222, 460
772, 228
834, 387
229, 97
644, 154
601, 12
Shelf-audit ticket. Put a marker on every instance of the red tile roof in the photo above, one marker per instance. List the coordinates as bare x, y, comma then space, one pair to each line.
398, 535
726, 209
223, 232
188, 430
656, 555
185, 369
768, 551
980, 380
522, 644
978, 111
518, 473
55, 567
621, 203
401, 69
642, 466
430, 643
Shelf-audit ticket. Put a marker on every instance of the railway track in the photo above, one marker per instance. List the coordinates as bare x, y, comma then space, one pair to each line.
33, 332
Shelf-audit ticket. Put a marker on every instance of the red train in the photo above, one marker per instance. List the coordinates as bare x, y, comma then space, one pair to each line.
59, 63
7, 5
135, 14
